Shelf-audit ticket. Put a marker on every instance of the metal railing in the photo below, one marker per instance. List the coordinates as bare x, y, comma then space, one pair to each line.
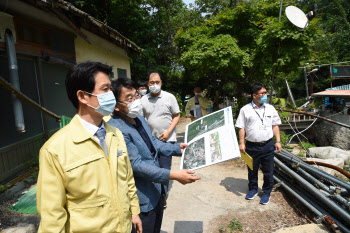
295, 117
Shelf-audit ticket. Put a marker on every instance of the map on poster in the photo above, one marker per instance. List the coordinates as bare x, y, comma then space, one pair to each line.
211, 139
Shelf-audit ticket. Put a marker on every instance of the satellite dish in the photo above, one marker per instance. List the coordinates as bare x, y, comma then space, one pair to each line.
297, 17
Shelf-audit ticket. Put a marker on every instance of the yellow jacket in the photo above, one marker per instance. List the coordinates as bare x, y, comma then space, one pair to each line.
203, 102
79, 189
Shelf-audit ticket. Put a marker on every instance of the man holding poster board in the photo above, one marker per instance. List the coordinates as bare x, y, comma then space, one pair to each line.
257, 123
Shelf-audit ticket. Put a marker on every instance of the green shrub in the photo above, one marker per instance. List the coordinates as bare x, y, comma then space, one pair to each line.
235, 225
307, 145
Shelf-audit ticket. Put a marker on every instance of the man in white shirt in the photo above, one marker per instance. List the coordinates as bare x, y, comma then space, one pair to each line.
257, 123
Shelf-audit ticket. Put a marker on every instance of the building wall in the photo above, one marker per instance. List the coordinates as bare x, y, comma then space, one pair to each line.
105, 52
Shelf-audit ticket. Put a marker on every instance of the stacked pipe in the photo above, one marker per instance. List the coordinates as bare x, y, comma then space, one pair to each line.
325, 195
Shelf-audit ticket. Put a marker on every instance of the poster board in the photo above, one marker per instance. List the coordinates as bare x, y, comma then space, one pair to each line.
211, 139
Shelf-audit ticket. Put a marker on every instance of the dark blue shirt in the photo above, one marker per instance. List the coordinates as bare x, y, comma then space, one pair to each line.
144, 135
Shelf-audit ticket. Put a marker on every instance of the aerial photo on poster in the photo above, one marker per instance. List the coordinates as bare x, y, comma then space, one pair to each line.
205, 124
215, 149
194, 155
211, 139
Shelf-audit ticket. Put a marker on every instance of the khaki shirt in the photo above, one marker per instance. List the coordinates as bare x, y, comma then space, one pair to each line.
203, 102
79, 189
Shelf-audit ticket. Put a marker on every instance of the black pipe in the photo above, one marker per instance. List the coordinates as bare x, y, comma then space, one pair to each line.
314, 170
341, 212
14, 79
300, 191
297, 196
319, 184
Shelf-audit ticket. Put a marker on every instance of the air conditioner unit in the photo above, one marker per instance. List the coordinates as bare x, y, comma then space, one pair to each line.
6, 22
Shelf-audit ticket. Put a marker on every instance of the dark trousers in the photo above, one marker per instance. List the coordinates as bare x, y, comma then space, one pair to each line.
261, 154
152, 220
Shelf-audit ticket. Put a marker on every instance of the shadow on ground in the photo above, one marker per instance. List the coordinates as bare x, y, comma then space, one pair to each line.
234, 185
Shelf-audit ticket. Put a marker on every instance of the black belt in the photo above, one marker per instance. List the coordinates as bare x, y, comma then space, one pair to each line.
261, 143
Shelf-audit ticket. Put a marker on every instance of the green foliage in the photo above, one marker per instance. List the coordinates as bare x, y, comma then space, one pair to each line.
4, 187
306, 145
235, 42
243, 44
235, 225
284, 139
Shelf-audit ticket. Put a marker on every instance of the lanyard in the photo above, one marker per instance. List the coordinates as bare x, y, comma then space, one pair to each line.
262, 119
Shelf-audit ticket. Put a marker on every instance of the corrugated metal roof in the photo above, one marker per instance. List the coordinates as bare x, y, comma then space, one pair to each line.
26, 204
333, 93
344, 87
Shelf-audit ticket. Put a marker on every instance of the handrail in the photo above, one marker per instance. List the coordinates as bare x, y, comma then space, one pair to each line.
323, 118
28, 100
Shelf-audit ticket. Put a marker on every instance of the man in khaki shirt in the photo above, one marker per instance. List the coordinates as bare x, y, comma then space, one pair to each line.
85, 181
197, 104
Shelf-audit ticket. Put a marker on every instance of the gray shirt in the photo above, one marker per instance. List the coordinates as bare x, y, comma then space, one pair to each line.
159, 113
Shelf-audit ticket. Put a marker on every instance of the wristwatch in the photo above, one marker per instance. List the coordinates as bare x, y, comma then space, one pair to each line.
278, 142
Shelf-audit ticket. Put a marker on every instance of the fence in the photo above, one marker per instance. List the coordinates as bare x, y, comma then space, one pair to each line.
19, 157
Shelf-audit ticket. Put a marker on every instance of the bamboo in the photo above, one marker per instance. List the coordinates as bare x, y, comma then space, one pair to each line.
26, 99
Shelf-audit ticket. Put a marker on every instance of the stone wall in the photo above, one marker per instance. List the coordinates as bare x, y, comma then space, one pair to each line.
325, 133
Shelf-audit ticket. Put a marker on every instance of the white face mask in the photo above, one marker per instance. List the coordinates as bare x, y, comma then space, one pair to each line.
154, 88
198, 93
135, 108
143, 92
106, 103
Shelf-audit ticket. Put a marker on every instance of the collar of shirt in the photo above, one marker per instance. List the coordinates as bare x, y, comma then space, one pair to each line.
256, 106
90, 127
158, 96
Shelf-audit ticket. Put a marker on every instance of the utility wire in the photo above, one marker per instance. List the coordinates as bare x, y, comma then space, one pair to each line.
325, 64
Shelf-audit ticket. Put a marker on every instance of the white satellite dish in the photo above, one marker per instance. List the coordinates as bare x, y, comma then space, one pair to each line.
297, 17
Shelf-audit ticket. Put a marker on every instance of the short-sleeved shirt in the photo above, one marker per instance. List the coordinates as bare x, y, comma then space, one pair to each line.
251, 118
159, 113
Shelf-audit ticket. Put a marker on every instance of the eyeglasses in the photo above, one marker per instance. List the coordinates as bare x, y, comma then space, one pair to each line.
261, 94
132, 98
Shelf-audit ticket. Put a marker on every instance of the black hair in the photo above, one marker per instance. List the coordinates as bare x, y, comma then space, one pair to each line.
82, 77
153, 72
198, 85
120, 83
256, 87
141, 83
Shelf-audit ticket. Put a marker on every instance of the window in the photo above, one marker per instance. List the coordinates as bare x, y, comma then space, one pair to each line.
122, 73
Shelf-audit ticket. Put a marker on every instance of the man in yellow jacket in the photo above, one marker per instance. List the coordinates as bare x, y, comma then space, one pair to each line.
85, 181
196, 107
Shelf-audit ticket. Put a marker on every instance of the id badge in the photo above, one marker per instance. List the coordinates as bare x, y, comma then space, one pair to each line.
262, 127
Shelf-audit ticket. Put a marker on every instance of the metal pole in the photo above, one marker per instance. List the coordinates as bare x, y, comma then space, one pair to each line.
14, 79
307, 88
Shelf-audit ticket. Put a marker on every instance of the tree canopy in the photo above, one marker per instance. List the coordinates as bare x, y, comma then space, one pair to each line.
225, 45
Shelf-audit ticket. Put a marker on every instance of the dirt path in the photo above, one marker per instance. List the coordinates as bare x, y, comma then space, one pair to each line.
211, 203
